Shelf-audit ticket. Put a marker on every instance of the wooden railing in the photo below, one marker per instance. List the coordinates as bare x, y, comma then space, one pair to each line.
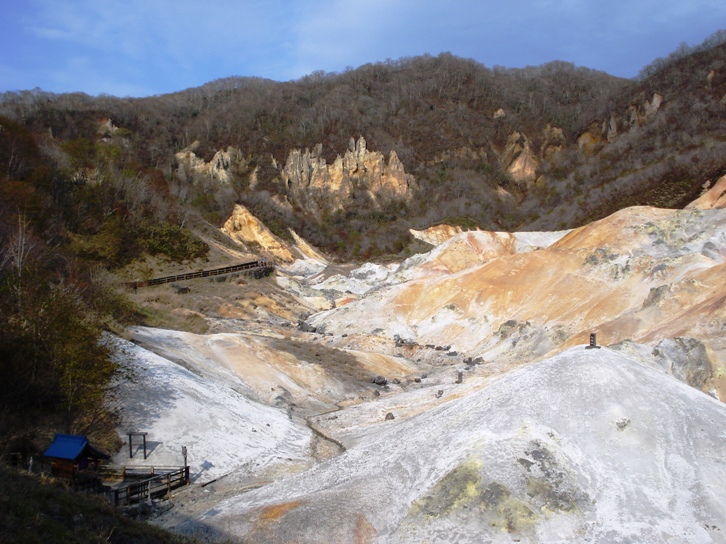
257, 268
157, 486
133, 472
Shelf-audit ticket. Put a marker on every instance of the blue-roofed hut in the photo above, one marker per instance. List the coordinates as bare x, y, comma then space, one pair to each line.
69, 453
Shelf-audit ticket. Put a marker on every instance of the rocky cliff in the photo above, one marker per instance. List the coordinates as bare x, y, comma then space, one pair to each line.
317, 186
308, 181
637, 113
221, 169
244, 228
521, 158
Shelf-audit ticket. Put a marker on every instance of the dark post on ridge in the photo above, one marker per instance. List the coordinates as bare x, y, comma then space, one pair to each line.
593, 342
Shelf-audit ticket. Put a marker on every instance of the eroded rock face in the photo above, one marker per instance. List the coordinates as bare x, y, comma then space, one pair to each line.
713, 197
221, 168
106, 128
245, 228
317, 186
436, 235
518, 158
686, 359
635, 116
522, 159
554, 140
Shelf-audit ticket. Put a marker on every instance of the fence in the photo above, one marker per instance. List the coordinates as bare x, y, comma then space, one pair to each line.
257, 268
156, 486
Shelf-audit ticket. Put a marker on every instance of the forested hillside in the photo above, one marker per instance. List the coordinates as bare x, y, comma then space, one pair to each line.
588, 142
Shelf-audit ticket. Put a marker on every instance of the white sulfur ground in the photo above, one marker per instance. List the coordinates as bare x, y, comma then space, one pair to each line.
208, 413
619, 452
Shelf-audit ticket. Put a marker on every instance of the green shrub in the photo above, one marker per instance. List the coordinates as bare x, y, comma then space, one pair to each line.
177, 243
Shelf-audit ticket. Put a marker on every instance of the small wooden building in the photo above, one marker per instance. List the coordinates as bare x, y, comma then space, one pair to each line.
69, 454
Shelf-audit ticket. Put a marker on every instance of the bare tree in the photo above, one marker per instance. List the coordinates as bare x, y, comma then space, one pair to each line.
18, 250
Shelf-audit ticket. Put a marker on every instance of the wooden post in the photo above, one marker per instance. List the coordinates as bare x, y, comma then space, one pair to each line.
131, 435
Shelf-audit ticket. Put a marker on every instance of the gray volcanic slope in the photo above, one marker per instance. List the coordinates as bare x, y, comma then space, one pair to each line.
588, 446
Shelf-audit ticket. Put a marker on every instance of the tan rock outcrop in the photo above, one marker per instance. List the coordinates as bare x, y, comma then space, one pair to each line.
317, 186
554, 140
652, 107
106, 128
220, 168
590, 138
715, 197
638, 112
245, 228
436, 235
522, 160
524, 167
612, 128
518, 158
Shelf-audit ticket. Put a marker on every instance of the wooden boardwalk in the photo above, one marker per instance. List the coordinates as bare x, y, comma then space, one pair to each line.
258, 269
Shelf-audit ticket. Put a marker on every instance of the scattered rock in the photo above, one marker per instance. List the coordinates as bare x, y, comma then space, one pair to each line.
507, 328
622, 423
379, 380
390, 416
306, 327
400, 342
180, 289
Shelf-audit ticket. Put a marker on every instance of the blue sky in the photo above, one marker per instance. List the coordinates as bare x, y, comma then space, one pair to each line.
147, 47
